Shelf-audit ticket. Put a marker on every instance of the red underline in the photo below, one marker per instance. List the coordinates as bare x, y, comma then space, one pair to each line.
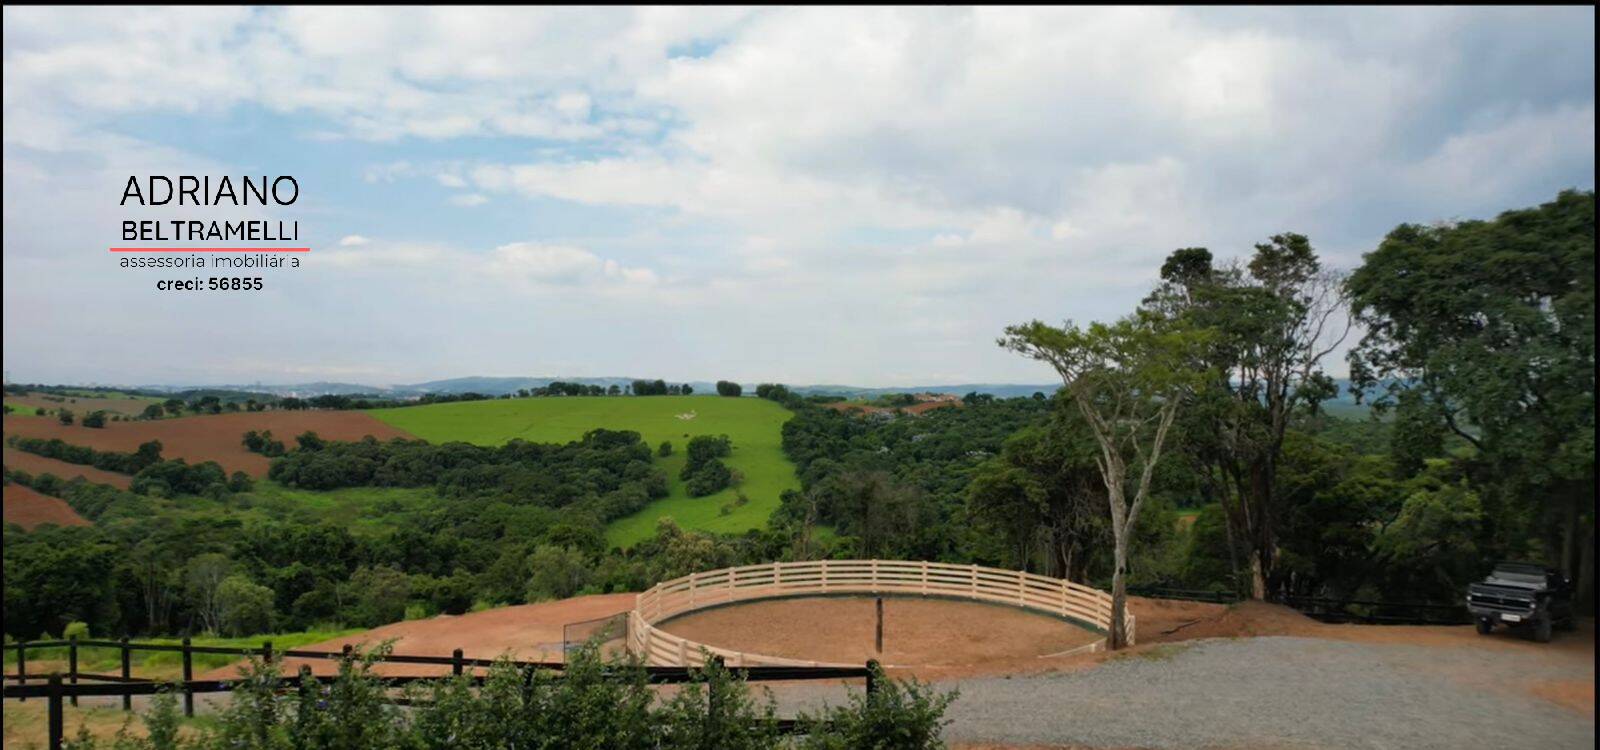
210, 249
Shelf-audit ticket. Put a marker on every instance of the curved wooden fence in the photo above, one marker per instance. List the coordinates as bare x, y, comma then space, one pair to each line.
697, 591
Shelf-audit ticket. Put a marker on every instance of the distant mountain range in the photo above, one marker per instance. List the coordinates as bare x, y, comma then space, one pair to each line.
499, 386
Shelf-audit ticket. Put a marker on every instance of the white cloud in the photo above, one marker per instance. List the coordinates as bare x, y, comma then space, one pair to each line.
468, 200
909, 180
353, 240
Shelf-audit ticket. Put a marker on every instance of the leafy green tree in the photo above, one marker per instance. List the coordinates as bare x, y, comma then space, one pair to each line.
1270, 323
1128, 380
711, 477
153, 411
65, 416
245, 606
379, 594
203, 577
556, 573
96, 419
729, 388
1492, 322
1044, 493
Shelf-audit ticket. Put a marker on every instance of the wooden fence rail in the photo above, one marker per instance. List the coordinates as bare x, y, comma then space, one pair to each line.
697, 591
58, 688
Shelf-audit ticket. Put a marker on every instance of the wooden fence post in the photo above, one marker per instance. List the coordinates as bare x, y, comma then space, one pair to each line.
872, 676
127, 674
72, 664
266, 652
880, 625
56, 730
455, 662
22, 665
188, 676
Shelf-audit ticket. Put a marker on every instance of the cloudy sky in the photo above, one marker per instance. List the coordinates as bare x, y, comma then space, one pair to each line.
804, 195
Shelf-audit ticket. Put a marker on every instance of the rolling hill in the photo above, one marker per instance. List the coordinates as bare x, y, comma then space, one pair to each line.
755, 426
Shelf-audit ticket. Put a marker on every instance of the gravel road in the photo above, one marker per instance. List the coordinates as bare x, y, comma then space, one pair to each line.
1282, 692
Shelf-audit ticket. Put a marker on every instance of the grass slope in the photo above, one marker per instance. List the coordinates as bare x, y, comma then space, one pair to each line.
755, 425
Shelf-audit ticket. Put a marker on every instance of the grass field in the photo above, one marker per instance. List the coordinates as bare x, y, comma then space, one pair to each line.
755, 425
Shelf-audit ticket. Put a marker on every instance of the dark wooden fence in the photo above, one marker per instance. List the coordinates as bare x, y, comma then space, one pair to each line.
58, 688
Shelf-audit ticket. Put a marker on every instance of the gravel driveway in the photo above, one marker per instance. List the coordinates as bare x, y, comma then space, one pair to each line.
1282, 692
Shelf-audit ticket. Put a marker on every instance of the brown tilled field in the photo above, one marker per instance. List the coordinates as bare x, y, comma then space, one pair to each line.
132, 407
208, 438
36, 465
27, 508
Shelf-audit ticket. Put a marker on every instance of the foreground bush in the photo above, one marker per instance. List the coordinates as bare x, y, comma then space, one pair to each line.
593, 704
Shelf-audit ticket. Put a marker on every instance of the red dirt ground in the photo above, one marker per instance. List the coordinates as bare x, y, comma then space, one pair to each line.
36, 465
964, 639
213, 437
27, 508
916, 632
530, 632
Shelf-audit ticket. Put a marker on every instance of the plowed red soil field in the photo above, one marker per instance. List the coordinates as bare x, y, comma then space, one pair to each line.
208, 438
28, 509
80, 405
36, 465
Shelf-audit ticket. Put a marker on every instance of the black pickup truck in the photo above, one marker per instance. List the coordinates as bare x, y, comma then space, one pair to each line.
1522, 595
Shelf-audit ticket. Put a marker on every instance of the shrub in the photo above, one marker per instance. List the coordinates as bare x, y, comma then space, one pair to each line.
77, 629
592, 703
712, 477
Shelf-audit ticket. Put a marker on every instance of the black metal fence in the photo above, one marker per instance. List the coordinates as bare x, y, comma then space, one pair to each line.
59, 688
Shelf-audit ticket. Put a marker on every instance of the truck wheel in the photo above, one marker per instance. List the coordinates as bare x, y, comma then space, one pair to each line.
1567, 623
1484, 626
1541, 629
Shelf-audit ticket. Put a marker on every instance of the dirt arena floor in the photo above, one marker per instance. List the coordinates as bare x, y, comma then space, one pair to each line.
916, 632
27, 508
212, 437
36, 465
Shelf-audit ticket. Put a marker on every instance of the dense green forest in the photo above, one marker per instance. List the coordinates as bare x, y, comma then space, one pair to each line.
1187, 447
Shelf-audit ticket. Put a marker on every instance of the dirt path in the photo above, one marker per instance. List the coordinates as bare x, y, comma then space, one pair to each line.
530, 632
